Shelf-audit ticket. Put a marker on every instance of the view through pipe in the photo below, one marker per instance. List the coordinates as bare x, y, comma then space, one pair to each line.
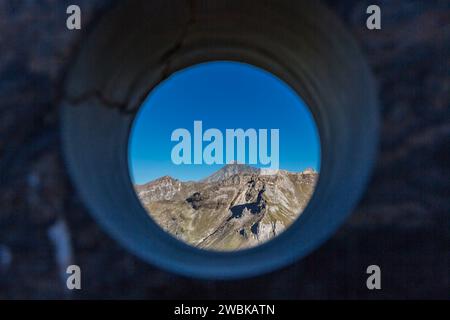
137, 44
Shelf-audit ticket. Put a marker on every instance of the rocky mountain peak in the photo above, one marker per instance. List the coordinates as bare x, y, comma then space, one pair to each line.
309, 171
230, 170
164, 188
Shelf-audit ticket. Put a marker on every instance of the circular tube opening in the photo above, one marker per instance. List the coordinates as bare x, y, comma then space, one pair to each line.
224, 156
110, 79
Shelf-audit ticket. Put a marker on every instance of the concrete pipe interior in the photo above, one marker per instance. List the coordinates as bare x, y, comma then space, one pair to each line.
138, 44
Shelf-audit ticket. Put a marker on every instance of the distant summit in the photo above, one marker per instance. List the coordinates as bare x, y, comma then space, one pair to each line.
230, 170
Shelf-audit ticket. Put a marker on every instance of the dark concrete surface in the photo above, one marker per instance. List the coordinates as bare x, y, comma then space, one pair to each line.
402, 224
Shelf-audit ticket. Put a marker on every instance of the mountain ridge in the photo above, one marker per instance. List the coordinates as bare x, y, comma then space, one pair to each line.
236, 207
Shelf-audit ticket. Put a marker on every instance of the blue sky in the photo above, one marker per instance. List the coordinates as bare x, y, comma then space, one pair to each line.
223, 95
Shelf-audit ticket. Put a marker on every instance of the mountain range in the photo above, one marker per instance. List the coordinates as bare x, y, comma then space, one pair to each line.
237, 207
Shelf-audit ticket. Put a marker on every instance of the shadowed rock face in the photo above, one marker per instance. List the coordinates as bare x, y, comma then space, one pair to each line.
237, 207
